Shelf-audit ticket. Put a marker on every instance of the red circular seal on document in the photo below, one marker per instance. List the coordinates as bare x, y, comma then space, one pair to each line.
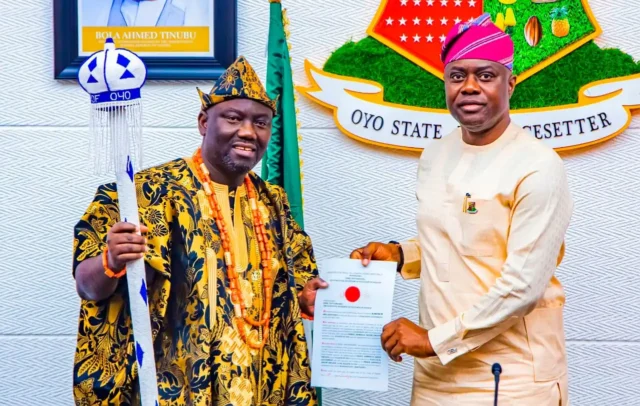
352, 294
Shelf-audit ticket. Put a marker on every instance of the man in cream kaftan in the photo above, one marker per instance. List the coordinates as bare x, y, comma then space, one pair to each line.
493, 209
488, 293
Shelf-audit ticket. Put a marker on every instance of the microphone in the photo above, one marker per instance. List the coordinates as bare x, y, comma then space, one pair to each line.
496, 369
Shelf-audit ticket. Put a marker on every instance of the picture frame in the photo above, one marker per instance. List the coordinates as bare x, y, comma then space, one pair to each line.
175, 64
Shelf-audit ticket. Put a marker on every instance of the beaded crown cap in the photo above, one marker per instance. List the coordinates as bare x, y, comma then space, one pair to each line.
112, 75
239, 81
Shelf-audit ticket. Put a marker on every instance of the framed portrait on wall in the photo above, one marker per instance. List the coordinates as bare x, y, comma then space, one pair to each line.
177, 39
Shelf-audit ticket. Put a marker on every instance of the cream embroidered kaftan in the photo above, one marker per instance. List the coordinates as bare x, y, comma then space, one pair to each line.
486, 262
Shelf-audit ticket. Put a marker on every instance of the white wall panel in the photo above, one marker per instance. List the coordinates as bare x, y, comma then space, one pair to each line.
36, 370
353, 193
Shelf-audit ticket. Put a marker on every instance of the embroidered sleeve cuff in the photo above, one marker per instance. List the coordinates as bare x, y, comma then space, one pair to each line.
411, 266
447, 342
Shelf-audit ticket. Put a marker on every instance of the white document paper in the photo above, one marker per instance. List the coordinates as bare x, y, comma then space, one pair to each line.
348, 319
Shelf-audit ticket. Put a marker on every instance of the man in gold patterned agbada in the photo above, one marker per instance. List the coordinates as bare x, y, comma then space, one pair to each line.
206, 220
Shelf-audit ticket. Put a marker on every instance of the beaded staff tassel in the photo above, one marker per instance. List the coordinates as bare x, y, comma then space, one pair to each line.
116, 136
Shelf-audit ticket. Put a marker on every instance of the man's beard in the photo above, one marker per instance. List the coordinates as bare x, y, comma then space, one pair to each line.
236, 168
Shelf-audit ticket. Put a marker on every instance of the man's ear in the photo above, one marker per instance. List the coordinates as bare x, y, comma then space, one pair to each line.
203, 119
513, 79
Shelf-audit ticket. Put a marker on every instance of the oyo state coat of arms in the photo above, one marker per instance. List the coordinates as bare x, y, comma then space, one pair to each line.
387, 88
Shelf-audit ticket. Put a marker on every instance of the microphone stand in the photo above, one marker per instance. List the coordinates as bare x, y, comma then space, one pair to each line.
496, 369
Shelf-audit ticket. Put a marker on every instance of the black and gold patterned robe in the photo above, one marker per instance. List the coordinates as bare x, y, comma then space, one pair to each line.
200, 358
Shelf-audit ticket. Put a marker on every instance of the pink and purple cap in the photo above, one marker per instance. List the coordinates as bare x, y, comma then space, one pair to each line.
478, 39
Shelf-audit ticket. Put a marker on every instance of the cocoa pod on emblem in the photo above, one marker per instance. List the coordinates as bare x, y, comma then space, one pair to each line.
533, 31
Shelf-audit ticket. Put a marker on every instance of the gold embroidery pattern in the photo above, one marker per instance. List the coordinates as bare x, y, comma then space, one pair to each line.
247, 292
240, 392
231, 343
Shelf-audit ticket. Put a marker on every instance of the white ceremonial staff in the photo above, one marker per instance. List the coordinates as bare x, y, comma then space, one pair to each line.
113, 77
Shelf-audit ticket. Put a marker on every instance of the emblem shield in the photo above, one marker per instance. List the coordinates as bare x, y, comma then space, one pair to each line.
543, 31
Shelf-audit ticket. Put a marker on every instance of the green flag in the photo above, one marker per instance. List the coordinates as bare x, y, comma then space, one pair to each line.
281, 162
